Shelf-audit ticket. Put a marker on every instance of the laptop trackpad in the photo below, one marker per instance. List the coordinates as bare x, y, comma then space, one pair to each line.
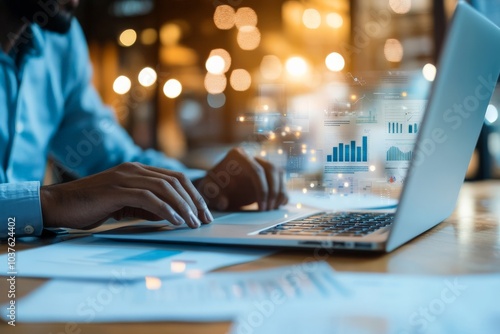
258, 217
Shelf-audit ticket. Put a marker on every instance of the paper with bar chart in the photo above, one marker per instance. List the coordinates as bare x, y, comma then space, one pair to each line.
402, 120
347, 152
371, 145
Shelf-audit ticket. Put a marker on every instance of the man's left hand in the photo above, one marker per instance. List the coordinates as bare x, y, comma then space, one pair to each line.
239, 180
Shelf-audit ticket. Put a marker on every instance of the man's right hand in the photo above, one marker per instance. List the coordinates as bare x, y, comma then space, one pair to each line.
130, 190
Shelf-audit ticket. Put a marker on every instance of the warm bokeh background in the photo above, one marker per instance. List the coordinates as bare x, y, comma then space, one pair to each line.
186, 75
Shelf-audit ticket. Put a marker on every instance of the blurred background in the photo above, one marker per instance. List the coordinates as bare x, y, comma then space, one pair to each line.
193, 77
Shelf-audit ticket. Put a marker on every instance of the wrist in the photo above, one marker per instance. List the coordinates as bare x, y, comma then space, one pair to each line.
47, 202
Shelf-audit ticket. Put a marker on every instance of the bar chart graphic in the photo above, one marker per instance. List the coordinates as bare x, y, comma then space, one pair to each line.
403, 117
350, 152
397, 127
395, 154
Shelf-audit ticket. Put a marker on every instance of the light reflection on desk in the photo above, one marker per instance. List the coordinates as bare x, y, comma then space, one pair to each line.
467, 242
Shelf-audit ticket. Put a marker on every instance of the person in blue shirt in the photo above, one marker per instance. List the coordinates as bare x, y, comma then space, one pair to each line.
49, 108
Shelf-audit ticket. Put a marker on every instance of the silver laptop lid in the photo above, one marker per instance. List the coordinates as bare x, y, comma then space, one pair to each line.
467, 74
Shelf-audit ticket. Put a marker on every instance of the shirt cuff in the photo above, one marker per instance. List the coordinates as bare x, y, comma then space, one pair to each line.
20, 209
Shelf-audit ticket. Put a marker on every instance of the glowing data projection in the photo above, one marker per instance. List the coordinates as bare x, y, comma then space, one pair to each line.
396, 127
395, 154
349, 152
403, 116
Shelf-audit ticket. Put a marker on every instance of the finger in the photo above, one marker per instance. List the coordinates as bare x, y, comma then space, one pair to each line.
273, 182
169, 177
187, 190
167, 193
148, 201
256, 174
282, 196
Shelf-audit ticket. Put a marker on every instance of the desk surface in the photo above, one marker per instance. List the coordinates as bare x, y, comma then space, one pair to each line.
467, 242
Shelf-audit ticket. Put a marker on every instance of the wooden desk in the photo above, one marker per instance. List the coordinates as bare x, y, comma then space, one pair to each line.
467, 242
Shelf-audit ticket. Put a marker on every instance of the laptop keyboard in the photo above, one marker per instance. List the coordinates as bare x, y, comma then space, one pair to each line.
351, 224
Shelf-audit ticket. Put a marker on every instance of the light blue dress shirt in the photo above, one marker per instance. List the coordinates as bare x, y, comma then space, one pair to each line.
48, 107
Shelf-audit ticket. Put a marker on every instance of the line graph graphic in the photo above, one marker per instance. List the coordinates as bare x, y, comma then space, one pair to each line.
395, 154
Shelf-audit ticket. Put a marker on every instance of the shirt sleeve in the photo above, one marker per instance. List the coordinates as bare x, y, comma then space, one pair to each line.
20, 210
89, 139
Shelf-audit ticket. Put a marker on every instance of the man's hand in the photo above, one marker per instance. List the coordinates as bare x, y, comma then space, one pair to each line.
239, 180
128, 190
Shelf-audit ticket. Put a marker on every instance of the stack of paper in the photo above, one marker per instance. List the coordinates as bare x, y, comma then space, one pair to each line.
96, 258
147, 282
384, 303
211, 297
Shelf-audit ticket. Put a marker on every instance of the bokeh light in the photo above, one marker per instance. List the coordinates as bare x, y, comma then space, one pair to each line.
215, 64
152, 283
311, 18
334, 20
178, 266
491, 114
335, 62
170, 34
393, 50
216, 100
215, 83
240, 80
245, 16
296, 66
248, 37
172, 88
400, 6
429, 72
147, 77
224, 17
224, 55
149, 36
122, 85
127, 37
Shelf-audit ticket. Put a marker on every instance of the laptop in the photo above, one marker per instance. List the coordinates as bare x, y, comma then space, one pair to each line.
467, 74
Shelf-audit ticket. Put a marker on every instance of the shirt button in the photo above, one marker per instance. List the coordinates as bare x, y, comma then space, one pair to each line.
28, 229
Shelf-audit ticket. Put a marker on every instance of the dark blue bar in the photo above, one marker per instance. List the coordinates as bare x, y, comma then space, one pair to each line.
353, 150
410, 129
365, 148
358, 153
341, 152
347, 153
335, 154
329, 158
